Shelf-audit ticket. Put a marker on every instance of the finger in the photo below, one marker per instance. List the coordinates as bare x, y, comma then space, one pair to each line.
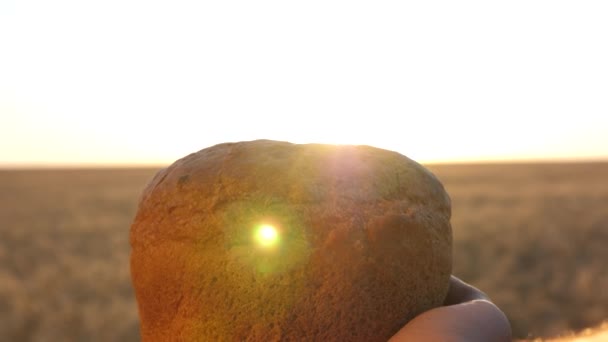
460, 292
479, 320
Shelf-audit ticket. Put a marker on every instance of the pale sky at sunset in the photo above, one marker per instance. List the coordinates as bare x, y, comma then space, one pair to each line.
147, 82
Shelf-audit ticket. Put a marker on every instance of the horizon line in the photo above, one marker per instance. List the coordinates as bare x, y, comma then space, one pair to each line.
488, 161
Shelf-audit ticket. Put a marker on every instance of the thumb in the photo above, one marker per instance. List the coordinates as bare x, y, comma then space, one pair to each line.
468, 316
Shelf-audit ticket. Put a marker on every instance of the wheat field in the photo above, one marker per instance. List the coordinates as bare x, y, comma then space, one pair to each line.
534, 237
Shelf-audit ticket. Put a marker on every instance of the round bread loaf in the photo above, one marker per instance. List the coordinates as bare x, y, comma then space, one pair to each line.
268, 240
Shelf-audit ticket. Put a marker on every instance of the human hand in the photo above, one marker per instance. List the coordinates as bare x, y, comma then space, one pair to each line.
467, 315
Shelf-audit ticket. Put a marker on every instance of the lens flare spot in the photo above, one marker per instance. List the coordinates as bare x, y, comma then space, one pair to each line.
266, 235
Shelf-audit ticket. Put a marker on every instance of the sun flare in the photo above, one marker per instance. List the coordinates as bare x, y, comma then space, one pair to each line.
266, 235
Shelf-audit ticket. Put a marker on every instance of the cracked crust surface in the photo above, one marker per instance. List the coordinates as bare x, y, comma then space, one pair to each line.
364, 244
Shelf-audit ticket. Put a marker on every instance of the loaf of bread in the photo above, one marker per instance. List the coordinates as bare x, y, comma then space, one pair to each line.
268, 241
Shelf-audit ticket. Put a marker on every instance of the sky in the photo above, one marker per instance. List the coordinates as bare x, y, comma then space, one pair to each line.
129, 82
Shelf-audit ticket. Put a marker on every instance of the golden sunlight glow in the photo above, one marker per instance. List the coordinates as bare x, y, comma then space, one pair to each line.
266, 235
411, 79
